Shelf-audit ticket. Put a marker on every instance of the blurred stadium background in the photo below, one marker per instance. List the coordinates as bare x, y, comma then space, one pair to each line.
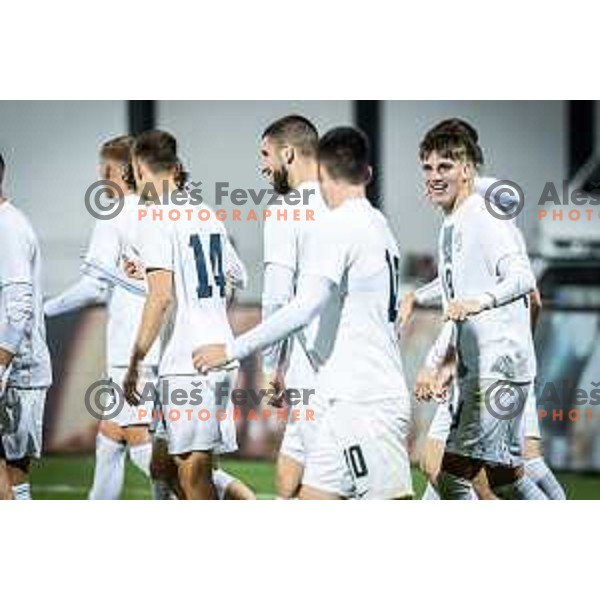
51, 154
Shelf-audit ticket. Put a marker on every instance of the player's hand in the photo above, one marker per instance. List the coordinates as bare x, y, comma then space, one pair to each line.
210, 357
405, 311
433, 384
134, 268
459, 310
425, 384
130, 383
275, 384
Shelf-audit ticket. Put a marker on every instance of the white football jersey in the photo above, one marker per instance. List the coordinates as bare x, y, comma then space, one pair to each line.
355, 249
496, 343
285, 243
200, 255
20, 262
112, 242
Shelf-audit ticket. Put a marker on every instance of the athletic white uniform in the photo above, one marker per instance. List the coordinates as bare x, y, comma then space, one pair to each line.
22, 332
442, 419
285, 246
495, 345
361, 448
113, 241
199, 255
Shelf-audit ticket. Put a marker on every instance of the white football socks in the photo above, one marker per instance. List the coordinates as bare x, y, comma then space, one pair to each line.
109, 471
222, 480
141, 455
522, 489
22, 491
539, 472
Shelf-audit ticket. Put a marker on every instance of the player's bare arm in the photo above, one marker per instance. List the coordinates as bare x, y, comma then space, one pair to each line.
158, 301
427, 295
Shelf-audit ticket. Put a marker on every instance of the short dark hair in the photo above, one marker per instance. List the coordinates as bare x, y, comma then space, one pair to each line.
297, 131
345, 153
158, 150
119, 150
455, 139
2, 168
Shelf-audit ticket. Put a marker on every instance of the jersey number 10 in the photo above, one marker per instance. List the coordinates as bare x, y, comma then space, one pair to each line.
204, 289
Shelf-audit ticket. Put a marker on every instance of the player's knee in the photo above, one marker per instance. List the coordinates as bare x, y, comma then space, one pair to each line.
532, 448
196, 467
18, 470
289, 477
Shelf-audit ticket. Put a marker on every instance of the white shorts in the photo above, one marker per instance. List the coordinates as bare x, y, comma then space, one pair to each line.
531, 421
300, 435
361, 450
439, 428
21, 422
196, 422
143, 413
487, 424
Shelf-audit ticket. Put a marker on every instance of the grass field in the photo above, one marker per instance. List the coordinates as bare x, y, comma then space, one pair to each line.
70, 477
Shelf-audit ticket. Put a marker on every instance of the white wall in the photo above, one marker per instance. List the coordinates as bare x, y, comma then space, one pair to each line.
51, 151
219, 141
524, 141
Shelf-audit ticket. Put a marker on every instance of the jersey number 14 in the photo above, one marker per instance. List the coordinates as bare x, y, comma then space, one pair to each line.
215, 252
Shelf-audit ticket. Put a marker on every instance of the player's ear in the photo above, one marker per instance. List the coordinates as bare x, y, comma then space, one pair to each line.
288, 155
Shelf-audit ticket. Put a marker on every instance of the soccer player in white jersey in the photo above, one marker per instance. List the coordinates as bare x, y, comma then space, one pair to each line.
361, 445
25, 370
186, 263
113, 242
486, 279
288, 150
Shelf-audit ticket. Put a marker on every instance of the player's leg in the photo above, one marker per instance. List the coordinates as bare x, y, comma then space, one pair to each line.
195, 433
503, 454
109, 468
326, 476
195, 474
163, 470
288, 476
361, 452
430, 462
535, 465
433, 450
5, 487
230, 488
539, 472
139, 443
22, 422
134, 421
460, 464
430, 459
